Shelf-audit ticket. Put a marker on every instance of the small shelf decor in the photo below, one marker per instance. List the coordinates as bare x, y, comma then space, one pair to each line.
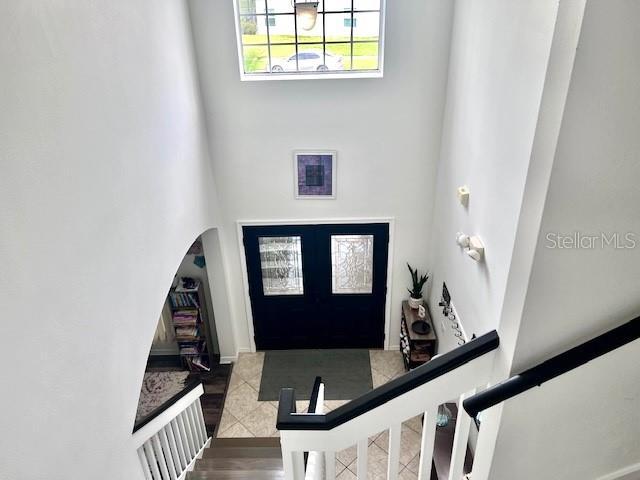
315, 174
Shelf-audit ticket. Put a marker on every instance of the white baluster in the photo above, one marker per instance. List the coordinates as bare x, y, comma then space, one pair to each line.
190, 436
144, 463
460, 440
330, 465
175, 453
194, 428
293, 464
152, 460
201, 418
184, 438
363, 452
428, 443
171, 466
393, 467
198, 422
162, 463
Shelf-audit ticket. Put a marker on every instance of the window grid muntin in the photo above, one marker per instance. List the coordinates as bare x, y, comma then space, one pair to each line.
351, 42
266, 11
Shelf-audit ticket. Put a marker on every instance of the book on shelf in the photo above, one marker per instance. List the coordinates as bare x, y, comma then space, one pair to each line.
183, 300
187, 349
184, 333
185, 318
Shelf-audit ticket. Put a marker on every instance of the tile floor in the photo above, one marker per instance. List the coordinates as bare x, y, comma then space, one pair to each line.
244, 416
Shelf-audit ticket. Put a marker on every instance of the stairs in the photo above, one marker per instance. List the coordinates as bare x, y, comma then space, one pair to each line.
240, 458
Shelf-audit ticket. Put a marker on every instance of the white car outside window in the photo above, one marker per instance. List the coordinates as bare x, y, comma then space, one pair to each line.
308, 60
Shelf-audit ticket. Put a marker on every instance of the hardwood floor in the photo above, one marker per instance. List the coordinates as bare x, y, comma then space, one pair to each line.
215, 385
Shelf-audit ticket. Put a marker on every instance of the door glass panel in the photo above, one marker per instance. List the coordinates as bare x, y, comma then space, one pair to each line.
352, 264
281, 262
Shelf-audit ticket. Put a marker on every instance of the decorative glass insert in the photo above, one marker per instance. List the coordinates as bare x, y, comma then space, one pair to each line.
352, 264
281, 263
346, 38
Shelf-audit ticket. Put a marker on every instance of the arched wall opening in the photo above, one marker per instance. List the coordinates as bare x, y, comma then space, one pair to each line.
194, 338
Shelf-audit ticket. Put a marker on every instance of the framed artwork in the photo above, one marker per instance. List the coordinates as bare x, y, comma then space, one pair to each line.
315, 174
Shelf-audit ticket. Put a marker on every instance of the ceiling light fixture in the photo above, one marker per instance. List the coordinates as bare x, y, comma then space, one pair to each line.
306, 14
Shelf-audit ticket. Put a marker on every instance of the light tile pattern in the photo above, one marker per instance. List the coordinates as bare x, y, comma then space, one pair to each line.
245, 416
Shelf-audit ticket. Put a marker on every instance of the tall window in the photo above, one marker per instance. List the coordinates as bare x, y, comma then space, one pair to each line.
346, 39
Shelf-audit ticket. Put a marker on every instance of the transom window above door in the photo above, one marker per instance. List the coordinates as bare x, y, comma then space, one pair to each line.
287, 39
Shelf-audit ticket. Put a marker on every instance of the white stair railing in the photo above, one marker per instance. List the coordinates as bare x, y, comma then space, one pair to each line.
169, 445
423, 399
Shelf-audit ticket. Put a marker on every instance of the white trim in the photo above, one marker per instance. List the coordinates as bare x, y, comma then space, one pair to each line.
154, 426
623, 473
236, 19
257, 77
334, 174
245, 285
317, 221
387, 305
228, 359
234, 358
383, 16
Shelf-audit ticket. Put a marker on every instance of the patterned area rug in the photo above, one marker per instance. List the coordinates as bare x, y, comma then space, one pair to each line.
157, 388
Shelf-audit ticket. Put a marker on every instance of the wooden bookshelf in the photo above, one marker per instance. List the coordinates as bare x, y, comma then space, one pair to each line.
191, 325
416, 349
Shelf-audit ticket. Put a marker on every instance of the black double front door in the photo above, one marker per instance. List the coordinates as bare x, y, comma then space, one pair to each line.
317, 286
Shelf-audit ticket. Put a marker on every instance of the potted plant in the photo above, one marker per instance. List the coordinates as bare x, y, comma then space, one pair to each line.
415, 298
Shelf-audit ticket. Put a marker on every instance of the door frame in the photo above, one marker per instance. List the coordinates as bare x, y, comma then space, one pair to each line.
390, 221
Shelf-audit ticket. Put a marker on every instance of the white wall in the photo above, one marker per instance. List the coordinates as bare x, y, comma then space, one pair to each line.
386, 132
575, 294
105, 182
499, 55
218, 273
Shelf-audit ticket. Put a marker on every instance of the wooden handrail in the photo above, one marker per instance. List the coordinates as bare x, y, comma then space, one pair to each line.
554, 367
289, 420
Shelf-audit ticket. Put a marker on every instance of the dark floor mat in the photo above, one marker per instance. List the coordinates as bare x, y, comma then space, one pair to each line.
346, 374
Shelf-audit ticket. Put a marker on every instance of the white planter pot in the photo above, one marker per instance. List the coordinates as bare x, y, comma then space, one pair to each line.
415, 302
